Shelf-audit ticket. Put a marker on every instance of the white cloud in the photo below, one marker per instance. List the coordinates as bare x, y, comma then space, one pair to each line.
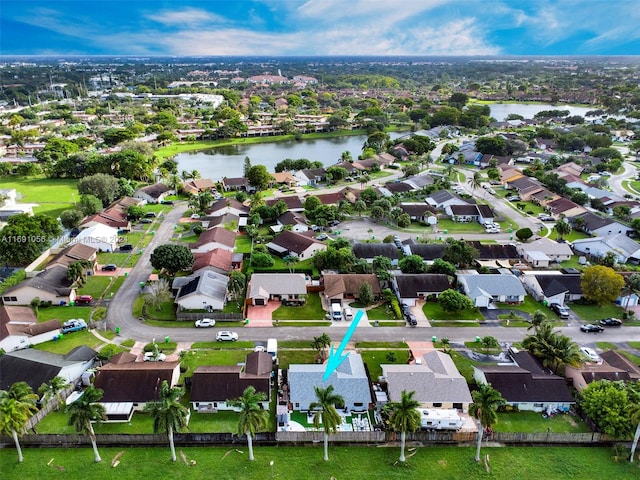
187, 16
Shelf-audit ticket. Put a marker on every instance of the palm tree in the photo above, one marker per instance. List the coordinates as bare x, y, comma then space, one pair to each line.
86, 410
562, 228
52, 390
537, 319
552, 348
168, 413
405, 417
16, 407
252, 416
476, 180
326, 413
486, 401
633, 410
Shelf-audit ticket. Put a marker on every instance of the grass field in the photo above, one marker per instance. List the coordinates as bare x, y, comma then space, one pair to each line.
43, 190
596, 312
63, 313
532, 422
353, 463
95, 286
311, 310
434, 311
69, 341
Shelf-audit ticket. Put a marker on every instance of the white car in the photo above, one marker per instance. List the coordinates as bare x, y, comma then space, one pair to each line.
591, 355
226, 336
205, 322
152, 357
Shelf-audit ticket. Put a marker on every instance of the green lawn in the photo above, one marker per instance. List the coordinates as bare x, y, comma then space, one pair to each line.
454, 323
114, 286
458, 227
63, 313
119, 259
573, 235
227, 356
375, 358
465, 366
311, 310
596, 312
305, 463
381, 312
95, 286
532, 422
69, 341
433, 311
44, 190
243, 244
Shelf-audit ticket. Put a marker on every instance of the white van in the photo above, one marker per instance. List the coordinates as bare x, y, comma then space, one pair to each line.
336, 311
348, 313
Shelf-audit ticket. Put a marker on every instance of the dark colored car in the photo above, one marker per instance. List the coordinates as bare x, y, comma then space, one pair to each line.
611, 322
167, 202
560, 310
110, 267
591, 328
126, 247
146, 220
412, 320
150, 215
406, 309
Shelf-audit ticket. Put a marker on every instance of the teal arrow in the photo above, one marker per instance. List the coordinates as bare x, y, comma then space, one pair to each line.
335, 355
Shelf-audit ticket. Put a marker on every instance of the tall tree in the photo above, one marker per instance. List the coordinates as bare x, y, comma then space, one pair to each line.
601, 284
405, 417
16, 407
633, 411
168, 414
476, 180
85, 410
172, 258
486, 401
326, 413
562, 228
252, 416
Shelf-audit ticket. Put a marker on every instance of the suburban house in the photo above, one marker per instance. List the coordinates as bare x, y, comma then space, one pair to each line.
19, 328
228, 220
470, 213
618, 370
495, 255
292, 243
543, 251
293, 203
237, 184
443, 199
419, 286
428, 251
284, 178
418, 182
198, 185
598, 226
218, 259
484, 290
77, 252
213, 385
206, 289
564, 206
435, 379
227, 205
552, 286
342, 286
349, 380
37, 366
216, 237
51, 285
616, 359
296, 220
9, 206
155, 193
525, 186
276, 286
115, 218
129, 386
526, 384
368, 251
624, 248
99, 236
418, 212
310, 176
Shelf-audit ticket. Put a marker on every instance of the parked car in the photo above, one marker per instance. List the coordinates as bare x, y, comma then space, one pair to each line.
74, 325
406, 309
195, 216
591, 328
126, 247
591, 355
150, 215
514, 198
146, 220
109, 267
153, 357
560, 310
611, 322
412, 320
226, 336
205, 322
83, 300
167, 202
322, 236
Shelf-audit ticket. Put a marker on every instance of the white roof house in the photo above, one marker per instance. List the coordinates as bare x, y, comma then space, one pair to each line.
545, 248
99, 236
624, 248
266, 286
207, 289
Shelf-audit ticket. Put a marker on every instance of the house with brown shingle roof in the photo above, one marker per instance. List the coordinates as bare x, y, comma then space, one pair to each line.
347, 286
217, 237
213, 385
19, 328
293, 202
564, 206
198, 185
293, 243
218, 259
74, 253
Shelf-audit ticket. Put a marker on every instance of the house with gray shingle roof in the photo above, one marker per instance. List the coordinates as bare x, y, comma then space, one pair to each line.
436, 381
205, 289
419, 286
553, 286
624, 248
155, 193
543, 251
368, 251
276, 286
428, 251
485, 289
599, 226
443, 198
349, 380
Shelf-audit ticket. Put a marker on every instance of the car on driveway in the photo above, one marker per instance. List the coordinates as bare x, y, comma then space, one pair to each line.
205, 323
406, 309
560, 310
109, 267
412, 320
153, 357
591, 354
591, 328
610, 322
226, 336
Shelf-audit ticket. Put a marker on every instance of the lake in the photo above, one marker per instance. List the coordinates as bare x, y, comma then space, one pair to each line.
229, 161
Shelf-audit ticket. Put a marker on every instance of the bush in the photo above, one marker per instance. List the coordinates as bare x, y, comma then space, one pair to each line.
108, 351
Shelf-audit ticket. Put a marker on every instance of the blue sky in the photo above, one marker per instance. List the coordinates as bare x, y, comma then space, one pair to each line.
320, 27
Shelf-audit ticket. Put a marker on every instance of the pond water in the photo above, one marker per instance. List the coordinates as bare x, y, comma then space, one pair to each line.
499, 111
